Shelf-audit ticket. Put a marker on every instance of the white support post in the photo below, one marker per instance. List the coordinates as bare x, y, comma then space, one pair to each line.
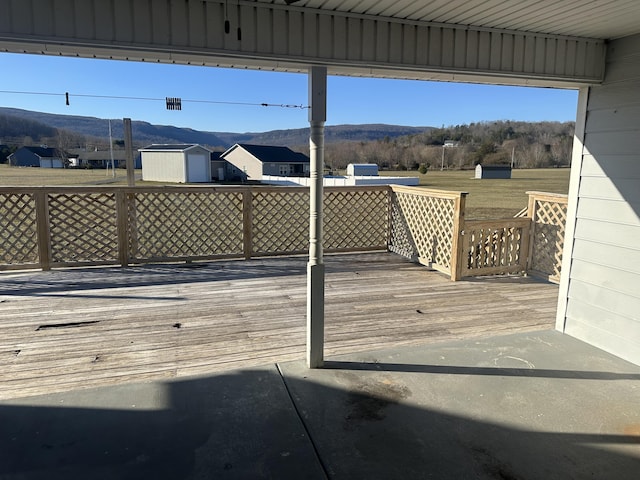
315, 267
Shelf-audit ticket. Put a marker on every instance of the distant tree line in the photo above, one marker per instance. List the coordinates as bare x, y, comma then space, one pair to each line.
527, 144
16, 132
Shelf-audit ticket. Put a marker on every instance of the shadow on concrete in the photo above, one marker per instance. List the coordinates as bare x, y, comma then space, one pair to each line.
463, 370
303, 425
238, 426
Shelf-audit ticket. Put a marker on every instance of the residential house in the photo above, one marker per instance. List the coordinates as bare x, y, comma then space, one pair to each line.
102, 159
251, 162
4, 152
218, 167
44, 157
177, 163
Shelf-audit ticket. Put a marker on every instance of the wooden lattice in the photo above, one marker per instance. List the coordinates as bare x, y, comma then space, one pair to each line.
280, 221
355, 220
185, 224
18, 232
83, 228
549, 221
422, 228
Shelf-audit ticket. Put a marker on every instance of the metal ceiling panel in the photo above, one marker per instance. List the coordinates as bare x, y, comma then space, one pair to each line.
602, 19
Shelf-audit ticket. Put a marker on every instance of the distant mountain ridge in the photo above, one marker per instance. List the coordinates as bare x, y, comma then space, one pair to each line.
145, 133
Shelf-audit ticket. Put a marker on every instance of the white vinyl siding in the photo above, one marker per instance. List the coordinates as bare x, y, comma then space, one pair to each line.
166, 166
246, 163
603, 296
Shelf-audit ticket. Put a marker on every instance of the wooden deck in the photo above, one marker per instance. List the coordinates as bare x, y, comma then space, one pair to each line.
78, 328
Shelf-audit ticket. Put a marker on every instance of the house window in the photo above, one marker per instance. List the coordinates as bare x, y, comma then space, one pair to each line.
284, 170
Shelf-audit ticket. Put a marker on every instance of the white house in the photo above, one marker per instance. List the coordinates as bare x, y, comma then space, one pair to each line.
176, 163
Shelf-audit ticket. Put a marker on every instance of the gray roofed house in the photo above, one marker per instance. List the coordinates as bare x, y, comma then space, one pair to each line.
251, 162
44, 157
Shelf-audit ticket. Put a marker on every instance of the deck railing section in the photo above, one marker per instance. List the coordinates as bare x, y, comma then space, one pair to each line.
548, 214
18, 229
492, 247
48, 227
425, 225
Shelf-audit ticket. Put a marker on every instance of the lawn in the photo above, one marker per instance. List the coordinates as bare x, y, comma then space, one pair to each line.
495, 198
486, 199
35, 176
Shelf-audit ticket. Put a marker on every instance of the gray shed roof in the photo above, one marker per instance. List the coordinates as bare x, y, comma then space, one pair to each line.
270, 154
179, 147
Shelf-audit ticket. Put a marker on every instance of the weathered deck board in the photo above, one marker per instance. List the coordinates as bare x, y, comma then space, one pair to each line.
236, 314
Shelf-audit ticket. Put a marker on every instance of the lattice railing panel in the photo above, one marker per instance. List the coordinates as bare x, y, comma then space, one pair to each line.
185, 224
422, 227
280, 221
355, 219
548, 237
83, 227
18, 231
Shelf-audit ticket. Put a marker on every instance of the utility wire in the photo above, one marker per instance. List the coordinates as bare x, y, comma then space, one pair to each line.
116, 97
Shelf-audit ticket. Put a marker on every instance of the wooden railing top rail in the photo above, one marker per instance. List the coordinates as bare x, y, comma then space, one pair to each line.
428, 192
550, 197
181, 188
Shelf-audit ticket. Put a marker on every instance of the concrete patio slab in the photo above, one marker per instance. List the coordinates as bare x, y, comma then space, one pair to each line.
524, 406
527, 406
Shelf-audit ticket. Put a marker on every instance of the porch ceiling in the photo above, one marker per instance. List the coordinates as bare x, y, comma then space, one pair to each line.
602, 19
560, 43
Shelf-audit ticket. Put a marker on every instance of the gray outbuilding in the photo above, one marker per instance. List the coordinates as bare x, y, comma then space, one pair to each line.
493, 171
176, 163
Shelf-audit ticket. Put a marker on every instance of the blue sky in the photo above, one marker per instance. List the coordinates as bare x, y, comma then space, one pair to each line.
350, 100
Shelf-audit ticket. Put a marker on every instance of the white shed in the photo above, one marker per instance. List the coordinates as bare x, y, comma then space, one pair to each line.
176, 163
362, 170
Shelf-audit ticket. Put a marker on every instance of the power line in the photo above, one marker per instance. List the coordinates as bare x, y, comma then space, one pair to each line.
68, 96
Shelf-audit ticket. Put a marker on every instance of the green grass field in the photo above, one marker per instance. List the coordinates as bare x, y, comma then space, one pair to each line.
486, 199
494, 198
34, 176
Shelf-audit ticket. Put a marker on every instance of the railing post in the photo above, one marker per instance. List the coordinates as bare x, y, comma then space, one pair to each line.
247, 222
457, 242
42, 227
122, 222
531, 213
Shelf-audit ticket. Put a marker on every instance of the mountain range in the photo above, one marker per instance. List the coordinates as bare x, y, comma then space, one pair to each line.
145, 133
